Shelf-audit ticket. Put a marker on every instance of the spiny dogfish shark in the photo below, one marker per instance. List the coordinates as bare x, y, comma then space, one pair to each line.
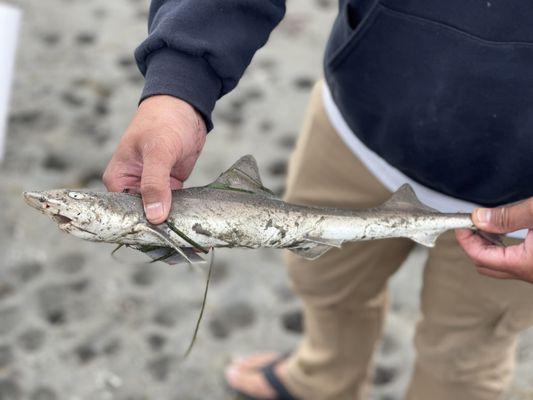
236, 210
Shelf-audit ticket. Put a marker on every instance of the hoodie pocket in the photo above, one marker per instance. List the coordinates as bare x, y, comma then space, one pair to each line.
449, 109
351, 29
354, 28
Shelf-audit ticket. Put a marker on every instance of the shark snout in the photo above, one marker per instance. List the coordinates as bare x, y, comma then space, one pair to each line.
34, 199
40, 201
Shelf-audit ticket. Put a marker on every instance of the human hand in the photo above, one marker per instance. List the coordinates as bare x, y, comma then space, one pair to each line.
157, 153
514, 262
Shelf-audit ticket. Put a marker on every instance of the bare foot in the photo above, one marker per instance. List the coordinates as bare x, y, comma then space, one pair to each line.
245, 376
256, 361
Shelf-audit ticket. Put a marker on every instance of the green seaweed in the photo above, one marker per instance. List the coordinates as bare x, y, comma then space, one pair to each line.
117, 249
220, 186
170, 253
186, 238
145, 248
202, 309
164, 257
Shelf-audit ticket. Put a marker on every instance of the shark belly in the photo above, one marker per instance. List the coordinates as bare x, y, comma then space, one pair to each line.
423, 228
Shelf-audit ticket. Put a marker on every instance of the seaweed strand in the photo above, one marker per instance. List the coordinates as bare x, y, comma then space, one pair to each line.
204, 302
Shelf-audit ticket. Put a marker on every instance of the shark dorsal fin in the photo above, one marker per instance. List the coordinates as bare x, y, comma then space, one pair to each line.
242, 176
405, 199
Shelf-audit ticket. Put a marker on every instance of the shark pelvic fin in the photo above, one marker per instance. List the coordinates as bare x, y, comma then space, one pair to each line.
313, 248
426, 239
312, 252
242, 176
323, 242
404, 199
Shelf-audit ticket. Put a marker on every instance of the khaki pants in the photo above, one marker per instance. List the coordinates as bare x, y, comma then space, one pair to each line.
466, 338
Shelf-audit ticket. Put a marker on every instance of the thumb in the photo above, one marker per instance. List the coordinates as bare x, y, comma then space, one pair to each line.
505, 219
155, 186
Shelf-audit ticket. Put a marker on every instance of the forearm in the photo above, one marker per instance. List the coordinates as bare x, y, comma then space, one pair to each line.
197, 50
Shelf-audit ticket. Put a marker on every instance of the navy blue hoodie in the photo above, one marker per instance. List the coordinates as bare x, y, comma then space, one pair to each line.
442, 90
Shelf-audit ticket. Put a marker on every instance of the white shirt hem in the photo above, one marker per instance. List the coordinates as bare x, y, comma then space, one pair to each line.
388, 175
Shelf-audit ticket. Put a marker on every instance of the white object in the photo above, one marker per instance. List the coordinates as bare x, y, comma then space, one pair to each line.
389, 176
9, 26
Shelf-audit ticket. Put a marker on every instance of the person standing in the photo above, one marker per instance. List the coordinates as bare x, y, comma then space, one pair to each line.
437, 94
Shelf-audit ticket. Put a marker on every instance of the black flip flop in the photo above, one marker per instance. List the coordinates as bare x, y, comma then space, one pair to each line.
276, 384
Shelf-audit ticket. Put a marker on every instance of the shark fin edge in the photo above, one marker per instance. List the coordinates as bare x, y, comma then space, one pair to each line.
242, 176
165, 238
323, 242
171, 257
313, 248
405, 199
311, 253
426, 239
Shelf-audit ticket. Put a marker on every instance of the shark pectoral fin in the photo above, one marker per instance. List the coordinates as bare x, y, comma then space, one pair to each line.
161, 234
172, 257
426, 239
404, 199
242, 176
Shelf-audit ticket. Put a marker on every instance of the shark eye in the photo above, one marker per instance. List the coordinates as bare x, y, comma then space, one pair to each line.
77, 195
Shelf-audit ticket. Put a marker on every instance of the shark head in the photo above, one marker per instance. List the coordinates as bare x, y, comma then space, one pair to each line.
91, 216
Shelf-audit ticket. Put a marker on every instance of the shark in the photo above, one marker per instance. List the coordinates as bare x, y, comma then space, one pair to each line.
236, 210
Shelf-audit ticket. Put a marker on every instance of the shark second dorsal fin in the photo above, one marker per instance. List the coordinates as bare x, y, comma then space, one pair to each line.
405, 199
242, 176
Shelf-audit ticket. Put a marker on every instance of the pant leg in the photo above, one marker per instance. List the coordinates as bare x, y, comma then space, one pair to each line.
466, 338
344, 291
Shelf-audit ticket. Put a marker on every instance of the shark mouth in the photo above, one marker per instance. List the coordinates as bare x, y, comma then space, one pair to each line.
65, 224
61, 219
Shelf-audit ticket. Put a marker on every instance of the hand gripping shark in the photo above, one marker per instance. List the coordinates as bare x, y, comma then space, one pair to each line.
236, 210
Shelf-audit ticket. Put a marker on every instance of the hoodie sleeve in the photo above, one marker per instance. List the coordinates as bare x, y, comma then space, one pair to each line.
197, 50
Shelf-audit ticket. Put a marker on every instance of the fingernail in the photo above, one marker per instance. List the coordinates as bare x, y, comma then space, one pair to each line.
154, 211
483, 215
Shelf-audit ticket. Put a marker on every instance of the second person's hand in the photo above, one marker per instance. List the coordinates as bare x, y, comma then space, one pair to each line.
157, 153
513, 262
